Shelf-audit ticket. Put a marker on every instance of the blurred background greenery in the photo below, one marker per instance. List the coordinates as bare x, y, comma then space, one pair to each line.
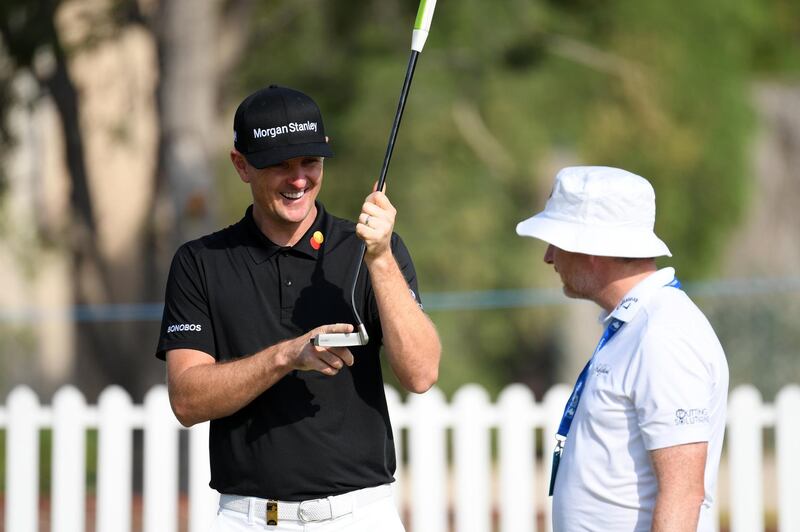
504, 95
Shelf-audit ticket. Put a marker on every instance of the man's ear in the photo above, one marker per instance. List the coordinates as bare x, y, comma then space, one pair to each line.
241, 166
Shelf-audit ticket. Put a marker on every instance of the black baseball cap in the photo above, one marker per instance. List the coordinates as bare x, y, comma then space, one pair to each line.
277, 123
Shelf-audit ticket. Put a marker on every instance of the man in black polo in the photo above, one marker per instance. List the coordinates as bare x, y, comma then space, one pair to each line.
299, 434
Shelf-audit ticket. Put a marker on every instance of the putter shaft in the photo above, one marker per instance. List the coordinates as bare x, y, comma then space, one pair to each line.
401, 105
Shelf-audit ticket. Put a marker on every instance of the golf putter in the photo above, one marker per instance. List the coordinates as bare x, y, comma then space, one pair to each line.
422, 26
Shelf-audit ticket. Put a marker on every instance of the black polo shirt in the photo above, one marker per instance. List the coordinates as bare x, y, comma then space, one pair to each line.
233, 293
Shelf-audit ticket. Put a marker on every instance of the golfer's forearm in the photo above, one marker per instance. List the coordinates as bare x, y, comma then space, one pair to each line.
409, 337
211, 391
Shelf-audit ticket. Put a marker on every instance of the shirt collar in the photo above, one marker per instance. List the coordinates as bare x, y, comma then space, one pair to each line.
262, 248
636, 298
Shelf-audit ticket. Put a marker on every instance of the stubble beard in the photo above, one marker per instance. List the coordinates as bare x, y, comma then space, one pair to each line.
579, 286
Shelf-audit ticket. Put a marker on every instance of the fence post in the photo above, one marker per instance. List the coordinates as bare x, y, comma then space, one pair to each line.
395, 408
22, 461
69, 461
473, 499
787, 443
517, 462
428, 461
160, 463
554, 401
426, 416
203, 501
744, 459
114, 461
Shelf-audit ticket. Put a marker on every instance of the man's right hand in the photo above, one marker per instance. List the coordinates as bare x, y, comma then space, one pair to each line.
200, 388
305, 356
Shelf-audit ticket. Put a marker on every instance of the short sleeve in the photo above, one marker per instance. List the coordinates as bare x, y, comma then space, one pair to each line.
403, 258
673, 391
186, 323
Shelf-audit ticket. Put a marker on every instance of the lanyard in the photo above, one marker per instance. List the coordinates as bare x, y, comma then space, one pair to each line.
575, 398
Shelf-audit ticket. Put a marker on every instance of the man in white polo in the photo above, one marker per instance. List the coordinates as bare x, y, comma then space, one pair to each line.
639, 443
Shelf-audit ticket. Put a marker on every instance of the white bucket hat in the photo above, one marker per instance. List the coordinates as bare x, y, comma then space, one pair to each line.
598, 210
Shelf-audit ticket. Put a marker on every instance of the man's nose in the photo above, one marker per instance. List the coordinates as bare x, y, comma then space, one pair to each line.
297, 176
548, 254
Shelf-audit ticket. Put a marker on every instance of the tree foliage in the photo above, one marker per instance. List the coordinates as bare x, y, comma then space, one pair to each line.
503, 96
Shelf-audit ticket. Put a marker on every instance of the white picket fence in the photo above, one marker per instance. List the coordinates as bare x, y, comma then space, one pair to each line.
431, 484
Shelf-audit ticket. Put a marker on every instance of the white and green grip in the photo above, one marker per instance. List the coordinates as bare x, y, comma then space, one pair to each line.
423, 24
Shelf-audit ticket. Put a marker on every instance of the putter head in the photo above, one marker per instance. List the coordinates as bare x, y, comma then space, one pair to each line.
356, 338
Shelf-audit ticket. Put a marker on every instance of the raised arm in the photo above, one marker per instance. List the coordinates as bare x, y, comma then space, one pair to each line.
409, 336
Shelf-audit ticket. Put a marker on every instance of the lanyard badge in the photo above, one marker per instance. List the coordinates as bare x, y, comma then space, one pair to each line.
556, 461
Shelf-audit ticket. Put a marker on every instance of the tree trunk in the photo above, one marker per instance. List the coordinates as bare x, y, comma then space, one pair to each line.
766, 244
187, 36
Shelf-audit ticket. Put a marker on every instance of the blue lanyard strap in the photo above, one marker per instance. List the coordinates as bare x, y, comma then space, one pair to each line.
575, 398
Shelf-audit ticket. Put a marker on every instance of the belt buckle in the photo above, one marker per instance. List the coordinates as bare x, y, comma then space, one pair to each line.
301, 513
272, 513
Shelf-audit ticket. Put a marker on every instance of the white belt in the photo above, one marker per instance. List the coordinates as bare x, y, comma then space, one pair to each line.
311, 510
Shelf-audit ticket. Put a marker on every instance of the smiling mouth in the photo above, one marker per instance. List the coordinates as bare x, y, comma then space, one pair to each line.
293, 195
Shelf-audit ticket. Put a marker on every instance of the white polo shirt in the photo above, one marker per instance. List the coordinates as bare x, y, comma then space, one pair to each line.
662, 380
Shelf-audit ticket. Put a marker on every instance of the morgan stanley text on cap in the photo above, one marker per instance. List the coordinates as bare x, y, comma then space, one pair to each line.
598, 210
277, 123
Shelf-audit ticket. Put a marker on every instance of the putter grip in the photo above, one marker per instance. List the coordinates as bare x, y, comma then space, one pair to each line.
423, 24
